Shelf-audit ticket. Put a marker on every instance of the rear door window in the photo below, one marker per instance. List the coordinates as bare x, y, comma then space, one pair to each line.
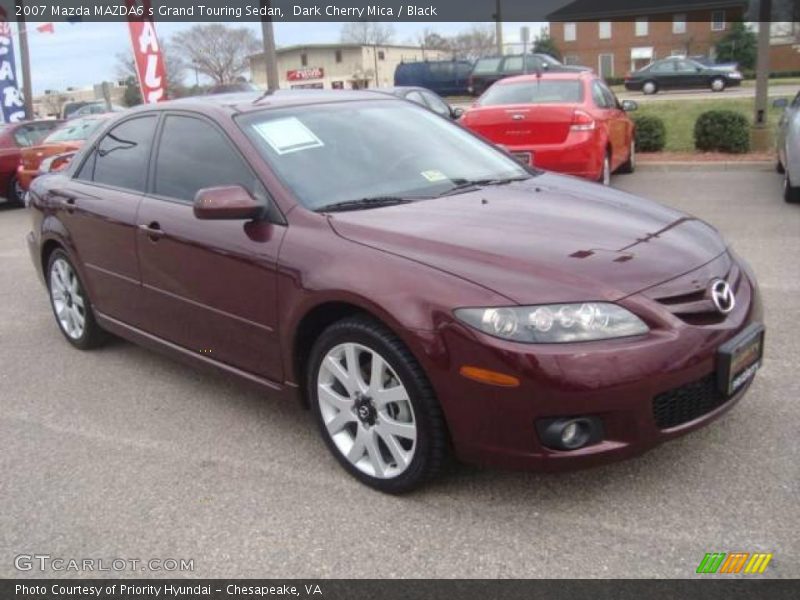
486, 66
123, 154
512, 64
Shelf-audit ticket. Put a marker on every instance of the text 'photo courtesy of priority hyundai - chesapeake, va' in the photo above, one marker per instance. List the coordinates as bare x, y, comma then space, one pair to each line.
496, 299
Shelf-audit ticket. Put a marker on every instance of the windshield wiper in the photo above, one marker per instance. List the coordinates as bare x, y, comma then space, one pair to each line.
463, 185
364, 203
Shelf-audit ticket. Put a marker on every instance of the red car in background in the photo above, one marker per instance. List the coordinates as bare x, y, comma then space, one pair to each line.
13, 138
566, 122
56, 150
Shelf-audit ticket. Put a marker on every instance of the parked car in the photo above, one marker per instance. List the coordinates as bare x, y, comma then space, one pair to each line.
566, 122
13, 138
232, 88
788, 147
62, 142
443, 77
488, 70
680, 73
95, 108
425, 98
418, 288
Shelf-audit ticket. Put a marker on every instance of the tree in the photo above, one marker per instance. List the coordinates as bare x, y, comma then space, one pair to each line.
478, 41
430, 40
367, 32
218, 51
739, 45
53, 103
544, 44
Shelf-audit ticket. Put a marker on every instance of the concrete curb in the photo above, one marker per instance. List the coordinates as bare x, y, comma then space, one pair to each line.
742, 165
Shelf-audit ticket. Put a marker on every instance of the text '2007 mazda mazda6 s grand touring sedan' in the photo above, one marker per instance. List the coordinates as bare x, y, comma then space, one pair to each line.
420, 290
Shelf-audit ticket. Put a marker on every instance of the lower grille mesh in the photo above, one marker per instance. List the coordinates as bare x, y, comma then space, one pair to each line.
688, 402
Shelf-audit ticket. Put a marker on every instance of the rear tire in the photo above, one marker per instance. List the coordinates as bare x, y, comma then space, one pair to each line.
649, 88
629, 166
382, 423
14, 193
790, 193
70, 303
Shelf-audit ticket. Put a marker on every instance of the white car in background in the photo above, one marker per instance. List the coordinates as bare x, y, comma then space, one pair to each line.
788, 146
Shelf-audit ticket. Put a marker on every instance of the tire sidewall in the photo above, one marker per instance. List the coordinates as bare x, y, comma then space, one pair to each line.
419, 392
90, 329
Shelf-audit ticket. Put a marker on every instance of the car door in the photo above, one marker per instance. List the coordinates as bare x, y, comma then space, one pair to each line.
208, 286
604, 112
689, 74
99, 206
664, 74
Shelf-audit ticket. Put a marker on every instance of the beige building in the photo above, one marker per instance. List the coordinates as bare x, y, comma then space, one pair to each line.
51, 102
339, 66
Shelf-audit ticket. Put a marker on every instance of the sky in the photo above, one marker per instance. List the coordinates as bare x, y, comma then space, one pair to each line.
84, 54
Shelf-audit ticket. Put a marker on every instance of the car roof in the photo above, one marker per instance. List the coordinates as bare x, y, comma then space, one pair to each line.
548, 75
244, 102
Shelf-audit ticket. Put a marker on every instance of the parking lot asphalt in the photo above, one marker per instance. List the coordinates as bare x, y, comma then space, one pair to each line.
122, 453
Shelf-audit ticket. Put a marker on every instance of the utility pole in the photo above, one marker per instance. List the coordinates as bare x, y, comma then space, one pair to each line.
25, 61
760, 132
268, 39
498, 25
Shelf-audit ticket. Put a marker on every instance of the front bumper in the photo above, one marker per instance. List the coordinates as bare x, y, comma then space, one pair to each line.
616, 381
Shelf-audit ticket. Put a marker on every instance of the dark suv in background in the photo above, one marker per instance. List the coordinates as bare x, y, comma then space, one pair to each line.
444, 77
488, 70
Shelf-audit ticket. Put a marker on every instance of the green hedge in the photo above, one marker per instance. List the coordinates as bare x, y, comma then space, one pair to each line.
651, 135
723, 131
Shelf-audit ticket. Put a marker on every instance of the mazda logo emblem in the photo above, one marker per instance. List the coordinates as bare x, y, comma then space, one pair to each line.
363, 412
722, 296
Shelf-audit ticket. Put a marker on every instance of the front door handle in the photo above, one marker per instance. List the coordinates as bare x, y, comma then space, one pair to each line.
153, 231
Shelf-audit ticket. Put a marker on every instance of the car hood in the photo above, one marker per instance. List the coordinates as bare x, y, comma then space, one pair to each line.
548, 239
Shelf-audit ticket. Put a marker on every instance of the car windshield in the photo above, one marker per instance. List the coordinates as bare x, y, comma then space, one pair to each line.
333, 153
486, 65
79, 129
542, 91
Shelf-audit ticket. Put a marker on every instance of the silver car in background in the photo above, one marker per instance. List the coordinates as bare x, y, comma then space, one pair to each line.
788, 146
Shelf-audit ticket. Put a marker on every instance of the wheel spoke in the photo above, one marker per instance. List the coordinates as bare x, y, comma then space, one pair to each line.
327, 395
386, 396
335, 368
390, 427
357, 450
77, 300
354, 369
337, 423
78, 318
376, 373
399, 455
374, 454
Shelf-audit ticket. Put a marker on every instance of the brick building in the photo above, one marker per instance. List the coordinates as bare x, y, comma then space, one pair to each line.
617, 36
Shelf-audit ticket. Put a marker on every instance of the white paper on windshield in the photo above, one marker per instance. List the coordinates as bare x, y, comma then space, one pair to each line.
288, 135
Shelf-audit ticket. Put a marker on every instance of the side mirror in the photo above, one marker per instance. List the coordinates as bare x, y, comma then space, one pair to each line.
780, 103
456, 113
629, 105
226, 202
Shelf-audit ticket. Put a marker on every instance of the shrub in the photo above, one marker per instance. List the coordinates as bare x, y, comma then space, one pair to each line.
722, 130
651, 135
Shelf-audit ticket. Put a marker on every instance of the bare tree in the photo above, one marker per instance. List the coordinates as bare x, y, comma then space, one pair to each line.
367, 32
219, 51
476, 42
173, 63
430, 40
53, 103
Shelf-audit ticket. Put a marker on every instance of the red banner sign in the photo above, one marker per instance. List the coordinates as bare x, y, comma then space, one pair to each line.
146, 50
304, 74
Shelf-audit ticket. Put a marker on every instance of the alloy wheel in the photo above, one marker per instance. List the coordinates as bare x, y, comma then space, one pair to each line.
718, 85
649, 87
366, 410
68, 301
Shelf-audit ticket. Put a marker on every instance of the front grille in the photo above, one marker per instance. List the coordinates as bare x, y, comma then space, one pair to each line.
687, 402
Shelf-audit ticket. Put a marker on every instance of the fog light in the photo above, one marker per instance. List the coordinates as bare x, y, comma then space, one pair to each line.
570, 433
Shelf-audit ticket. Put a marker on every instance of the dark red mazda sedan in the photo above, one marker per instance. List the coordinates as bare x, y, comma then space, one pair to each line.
420, 290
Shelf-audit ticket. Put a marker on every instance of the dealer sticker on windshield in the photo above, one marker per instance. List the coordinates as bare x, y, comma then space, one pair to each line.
288, 135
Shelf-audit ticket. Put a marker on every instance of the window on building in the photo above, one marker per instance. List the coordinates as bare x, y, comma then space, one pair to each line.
604, 30
718, 20
381, 55
338, 56
642, 26
569, 32
304, 59
679, 23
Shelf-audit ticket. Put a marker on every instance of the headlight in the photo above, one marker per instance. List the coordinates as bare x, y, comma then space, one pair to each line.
554, 323
735, 75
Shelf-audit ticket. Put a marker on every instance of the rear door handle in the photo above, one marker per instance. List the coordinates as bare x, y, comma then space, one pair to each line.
153, 230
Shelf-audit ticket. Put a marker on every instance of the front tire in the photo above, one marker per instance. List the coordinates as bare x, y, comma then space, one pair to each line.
70, 303
14, 193
629, 166
717, 84
790, 193
374, 406
605, 170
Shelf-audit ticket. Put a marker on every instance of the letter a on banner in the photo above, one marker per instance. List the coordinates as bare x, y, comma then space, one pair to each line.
10, 97
147, 51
